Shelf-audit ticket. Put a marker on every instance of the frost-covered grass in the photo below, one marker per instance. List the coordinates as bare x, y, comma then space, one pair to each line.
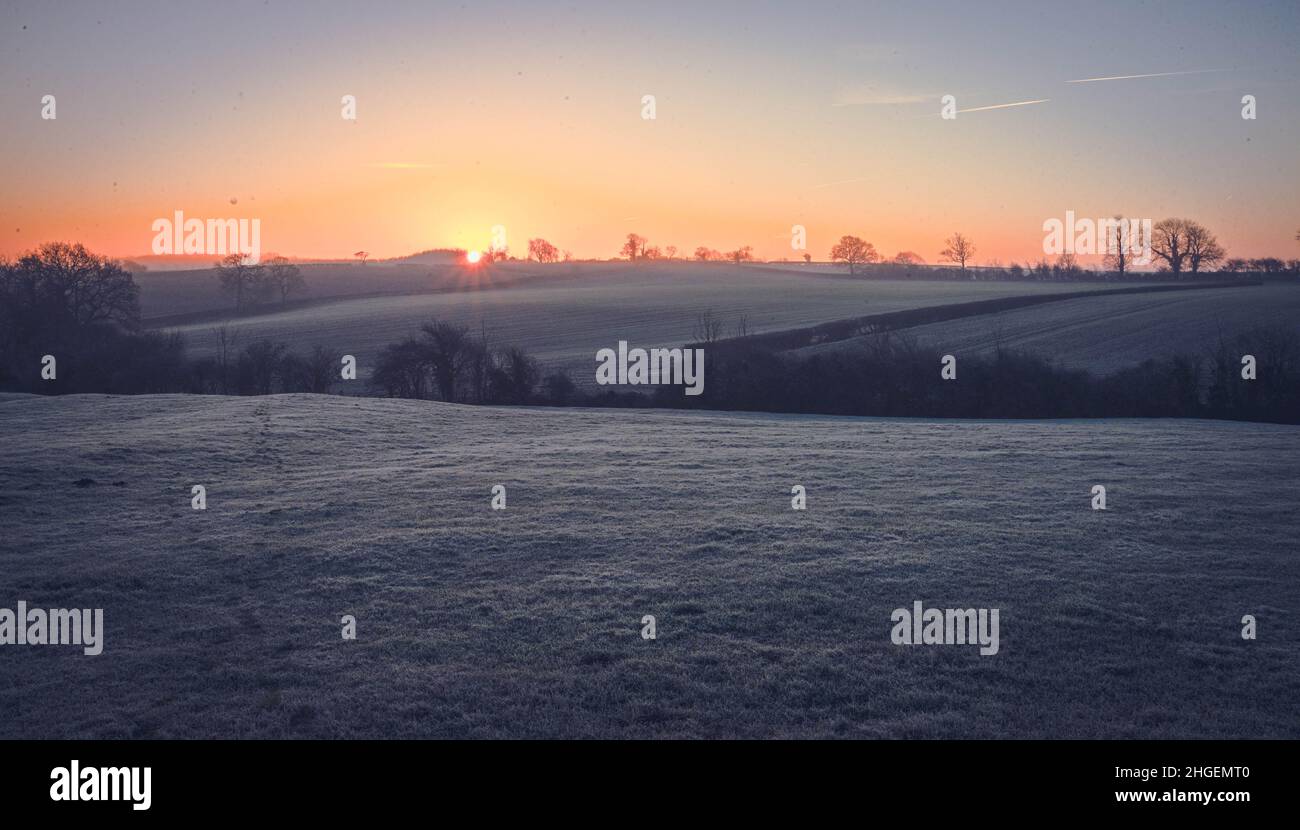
1105, 334
563, 321
225, 623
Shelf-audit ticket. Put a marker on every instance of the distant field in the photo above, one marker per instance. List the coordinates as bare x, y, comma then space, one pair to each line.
526, 622
165, 295
168, 294
1104, 334
566, 320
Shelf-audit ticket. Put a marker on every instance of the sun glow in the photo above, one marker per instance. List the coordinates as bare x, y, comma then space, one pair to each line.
473, 257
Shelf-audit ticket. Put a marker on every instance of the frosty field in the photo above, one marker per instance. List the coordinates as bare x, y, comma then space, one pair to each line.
564, 322
1105, 334
526, 622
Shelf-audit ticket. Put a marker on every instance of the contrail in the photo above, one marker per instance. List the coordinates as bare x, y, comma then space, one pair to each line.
1004, 106
1151, 75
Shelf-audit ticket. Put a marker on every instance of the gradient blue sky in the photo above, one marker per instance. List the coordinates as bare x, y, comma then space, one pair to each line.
527, 115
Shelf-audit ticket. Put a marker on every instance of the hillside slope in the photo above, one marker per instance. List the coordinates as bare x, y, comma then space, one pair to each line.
564, 321
1108, 333
526, 622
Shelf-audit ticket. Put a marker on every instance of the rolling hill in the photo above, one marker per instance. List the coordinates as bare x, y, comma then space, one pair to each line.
562, 316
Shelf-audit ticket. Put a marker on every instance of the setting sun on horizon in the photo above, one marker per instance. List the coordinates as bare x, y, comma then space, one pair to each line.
344, 129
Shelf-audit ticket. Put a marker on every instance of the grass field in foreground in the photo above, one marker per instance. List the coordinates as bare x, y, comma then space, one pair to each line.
526, 622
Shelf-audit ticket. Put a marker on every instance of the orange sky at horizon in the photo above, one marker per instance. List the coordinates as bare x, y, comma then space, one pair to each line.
545, 137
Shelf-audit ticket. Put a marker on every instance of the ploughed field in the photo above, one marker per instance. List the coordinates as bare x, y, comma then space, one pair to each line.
1107, 333
526, 622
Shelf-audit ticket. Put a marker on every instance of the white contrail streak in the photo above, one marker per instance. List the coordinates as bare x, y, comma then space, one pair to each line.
1151, 75
1004, 106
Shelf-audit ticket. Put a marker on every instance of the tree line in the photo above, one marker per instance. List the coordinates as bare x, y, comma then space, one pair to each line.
1178, 247
891, 374
64, 301
250, 284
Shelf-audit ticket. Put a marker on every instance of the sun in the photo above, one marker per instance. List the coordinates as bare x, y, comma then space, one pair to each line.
473, 257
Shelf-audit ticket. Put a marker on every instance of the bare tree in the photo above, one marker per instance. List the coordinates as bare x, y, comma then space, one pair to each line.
671, 251
67, 285
742, 326
260, 364
320, 370
515, 376
708, 327
283, 278
226, 340
959, 250
742, 254
1169, 242
1203, 249
542, 250
362, 255
854, 252
1067, 266
707, 254
445, 346
478, 365
240, 279
1122, 238
402, 369
633, 247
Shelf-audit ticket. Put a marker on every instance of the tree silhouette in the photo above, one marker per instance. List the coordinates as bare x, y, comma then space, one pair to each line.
1120, 243
854, 252
239, 279
283, 278
61, 284
361, 255
960, 250
633, 247
744, 254
1203, 249
1169, 242
445, 346
708, 327
542, 250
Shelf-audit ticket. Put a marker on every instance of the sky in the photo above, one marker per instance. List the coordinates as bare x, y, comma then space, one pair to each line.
529, 116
